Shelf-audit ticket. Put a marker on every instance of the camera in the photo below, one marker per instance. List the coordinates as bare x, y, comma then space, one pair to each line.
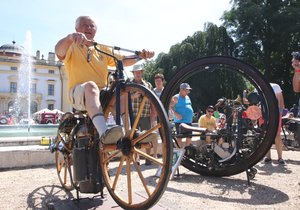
296, 55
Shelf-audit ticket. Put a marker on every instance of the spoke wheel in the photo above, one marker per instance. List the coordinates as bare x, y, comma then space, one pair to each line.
64, 162
133, 184
230, 77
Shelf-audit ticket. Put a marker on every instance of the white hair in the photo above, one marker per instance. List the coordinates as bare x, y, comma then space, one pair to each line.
83, 17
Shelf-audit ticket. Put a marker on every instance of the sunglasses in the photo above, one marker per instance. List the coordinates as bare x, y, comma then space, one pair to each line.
89, 55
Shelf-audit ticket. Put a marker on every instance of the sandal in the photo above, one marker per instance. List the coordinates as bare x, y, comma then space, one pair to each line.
281, 161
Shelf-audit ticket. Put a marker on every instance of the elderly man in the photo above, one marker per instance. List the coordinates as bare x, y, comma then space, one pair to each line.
87, 72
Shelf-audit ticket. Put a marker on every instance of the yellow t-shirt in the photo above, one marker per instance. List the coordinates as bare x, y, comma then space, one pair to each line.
80, 70
208, 123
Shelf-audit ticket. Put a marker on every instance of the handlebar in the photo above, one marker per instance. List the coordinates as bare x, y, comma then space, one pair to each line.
123, 49
136, 53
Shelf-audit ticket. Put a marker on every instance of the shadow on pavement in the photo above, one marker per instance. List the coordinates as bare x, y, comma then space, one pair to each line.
257, 194
55, 197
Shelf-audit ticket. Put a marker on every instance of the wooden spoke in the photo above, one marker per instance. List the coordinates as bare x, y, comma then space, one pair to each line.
144, 135
149, 157
137, 118
118, 173
107, 158
129, 184
143, 180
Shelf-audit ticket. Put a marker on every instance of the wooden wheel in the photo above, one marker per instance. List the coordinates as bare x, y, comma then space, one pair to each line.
133, 184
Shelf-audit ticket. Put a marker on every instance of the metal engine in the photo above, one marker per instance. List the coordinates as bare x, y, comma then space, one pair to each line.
87, 170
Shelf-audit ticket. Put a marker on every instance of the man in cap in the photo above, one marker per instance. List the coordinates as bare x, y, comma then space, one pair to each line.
208, 121
181, 105
148, 113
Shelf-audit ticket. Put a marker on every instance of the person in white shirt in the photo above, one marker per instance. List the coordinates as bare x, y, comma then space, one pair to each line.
278, 142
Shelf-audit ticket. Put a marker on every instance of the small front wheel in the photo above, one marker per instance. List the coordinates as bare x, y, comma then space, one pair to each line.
135, 184
64, 161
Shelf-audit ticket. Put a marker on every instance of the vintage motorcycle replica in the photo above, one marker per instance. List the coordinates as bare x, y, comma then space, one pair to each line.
87, 164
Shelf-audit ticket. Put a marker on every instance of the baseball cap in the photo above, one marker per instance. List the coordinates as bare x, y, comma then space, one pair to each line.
210, 107
138, 67
185, 86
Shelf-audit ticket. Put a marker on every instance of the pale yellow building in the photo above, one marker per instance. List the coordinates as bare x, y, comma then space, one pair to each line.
48, 84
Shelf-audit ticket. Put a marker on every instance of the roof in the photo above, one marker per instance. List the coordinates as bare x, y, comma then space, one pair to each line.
12, 48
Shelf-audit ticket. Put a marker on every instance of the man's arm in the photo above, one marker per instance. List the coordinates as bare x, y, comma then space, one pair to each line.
174, 101
296, 82
62, 46
296, 78
144, 54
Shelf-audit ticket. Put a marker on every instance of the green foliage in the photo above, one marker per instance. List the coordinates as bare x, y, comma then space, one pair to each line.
265, 34
213, 40
261, 32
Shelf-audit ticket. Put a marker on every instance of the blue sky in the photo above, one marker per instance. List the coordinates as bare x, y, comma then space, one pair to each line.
133, 24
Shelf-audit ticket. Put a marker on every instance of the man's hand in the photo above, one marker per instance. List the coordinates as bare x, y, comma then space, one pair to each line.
145, 54
80, 39
63, 45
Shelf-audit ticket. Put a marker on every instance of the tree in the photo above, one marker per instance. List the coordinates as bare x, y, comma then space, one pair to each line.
265, 34
213, 40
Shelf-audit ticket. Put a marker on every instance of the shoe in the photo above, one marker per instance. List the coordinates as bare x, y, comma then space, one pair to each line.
148, 162
267, 160
281, 161
151, 137
138, 162
112, 135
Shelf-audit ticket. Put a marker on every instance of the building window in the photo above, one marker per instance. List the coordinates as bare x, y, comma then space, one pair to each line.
50, 90
11, 106
14, 68
34, 70
33, 107
51, 71
33, 88
13, 87
50, 106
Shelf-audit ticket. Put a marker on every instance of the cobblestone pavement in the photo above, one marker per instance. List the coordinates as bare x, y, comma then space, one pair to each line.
274, 187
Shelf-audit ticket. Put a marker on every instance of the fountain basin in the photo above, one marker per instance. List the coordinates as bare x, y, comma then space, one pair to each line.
26, 131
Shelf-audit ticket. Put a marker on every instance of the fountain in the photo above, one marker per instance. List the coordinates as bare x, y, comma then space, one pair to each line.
24, 82
22, 105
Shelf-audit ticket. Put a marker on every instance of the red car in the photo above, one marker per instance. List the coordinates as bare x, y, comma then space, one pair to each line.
48, 118
4, 120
